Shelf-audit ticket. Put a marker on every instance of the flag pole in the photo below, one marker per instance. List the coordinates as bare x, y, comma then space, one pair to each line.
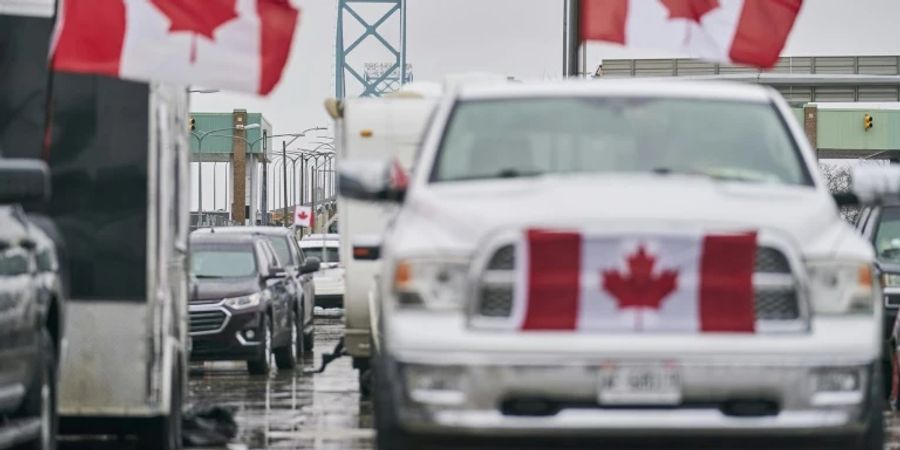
48, 101
571, 38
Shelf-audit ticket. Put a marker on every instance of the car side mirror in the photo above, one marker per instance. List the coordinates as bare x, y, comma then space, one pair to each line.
277, 272
311, 265
870, 185
366, 248
384, 181
23, 180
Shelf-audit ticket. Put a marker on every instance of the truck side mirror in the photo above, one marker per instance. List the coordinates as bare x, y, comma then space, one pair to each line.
311, 265
23, 180
870, 185
373, 180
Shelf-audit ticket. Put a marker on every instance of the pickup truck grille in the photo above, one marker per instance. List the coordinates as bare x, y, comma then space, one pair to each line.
776, 296
207, 321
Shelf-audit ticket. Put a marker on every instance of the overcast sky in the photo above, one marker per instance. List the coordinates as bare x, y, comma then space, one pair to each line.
513, 37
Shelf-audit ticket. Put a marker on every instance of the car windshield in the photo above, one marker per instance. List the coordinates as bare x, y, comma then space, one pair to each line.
731, 140
223, 262
887, 239
280, 243
331, 254
13, 263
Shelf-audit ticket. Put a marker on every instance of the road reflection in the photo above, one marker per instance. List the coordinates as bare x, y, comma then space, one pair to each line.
291, 410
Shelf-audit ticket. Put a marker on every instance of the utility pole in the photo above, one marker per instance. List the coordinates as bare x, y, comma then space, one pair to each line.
571, 38
284, 182
265, 180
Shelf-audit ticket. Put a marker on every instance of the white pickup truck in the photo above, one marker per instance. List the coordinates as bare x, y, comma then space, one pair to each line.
626, 259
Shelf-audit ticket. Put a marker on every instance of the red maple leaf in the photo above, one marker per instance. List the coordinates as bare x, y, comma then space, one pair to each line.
198, 17
303, 215
689, 9
640, 288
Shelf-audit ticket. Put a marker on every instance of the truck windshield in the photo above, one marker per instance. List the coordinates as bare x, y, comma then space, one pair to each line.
741, 141
224, 262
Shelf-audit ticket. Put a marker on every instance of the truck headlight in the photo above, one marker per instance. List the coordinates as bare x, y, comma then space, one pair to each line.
430, 283
245, 302
841, 287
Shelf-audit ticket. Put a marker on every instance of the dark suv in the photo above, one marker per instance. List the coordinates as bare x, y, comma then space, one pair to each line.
241, 307
31, 308
300, 284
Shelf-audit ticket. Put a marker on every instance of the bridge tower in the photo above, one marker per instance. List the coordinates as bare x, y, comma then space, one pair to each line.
370, 51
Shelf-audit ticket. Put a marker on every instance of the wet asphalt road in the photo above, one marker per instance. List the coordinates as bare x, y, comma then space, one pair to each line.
300, 410
292, 410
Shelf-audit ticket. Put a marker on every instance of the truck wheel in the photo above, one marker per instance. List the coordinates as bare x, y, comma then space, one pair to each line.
263, 363
873, 439
41, 398
309, 340
389, 434
164, 433
286, 357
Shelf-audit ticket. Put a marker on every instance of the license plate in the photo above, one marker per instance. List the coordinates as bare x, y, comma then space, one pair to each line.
640, 385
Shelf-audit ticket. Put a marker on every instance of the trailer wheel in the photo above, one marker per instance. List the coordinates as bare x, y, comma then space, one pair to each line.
164, 433
41, 399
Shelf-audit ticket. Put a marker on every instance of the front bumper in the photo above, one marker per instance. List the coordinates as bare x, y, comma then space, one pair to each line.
536, 399
237, 339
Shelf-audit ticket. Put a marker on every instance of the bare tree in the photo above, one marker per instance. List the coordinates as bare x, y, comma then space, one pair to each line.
838, 179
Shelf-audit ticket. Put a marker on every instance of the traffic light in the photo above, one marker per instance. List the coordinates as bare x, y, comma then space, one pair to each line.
868, 121
193, 124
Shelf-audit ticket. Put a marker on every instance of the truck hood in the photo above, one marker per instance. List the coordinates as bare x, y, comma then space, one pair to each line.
456, 216
219, 288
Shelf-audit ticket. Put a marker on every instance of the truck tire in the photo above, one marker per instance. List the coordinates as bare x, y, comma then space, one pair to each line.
873, 438
309, 341
286, 357
263, 363
389, 434
41, 398
164, 433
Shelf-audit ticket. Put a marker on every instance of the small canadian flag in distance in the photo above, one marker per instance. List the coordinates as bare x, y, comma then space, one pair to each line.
303, 216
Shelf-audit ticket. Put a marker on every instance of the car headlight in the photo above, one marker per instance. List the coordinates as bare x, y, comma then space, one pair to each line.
245, 302
430, 283
841, 287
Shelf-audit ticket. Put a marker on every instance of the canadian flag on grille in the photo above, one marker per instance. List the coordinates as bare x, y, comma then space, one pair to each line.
751, 32
665, 283
240, 45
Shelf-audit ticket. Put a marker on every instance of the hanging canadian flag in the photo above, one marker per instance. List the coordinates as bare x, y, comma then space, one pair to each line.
240, 45
665, 283
303, 216
751, 32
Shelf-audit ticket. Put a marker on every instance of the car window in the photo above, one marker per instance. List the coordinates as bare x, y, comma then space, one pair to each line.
274, 261
282, 249
13, 262
887, 238
331, 254
223, 262
46, 260
529, 137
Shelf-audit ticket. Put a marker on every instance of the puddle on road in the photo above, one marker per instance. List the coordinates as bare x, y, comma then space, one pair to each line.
292, 410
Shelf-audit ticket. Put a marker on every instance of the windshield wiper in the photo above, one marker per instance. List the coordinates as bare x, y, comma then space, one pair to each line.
208, 277
723, 175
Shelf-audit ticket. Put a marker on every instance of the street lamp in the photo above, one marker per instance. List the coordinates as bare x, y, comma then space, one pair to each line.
284, 145
200, 138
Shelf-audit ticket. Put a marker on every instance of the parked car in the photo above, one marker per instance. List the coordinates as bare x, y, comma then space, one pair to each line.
880, 225
329, 280
590, 262
31, 312
241, 308
300, 285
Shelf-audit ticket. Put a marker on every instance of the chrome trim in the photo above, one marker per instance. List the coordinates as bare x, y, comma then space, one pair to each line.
244, 342
209, 308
